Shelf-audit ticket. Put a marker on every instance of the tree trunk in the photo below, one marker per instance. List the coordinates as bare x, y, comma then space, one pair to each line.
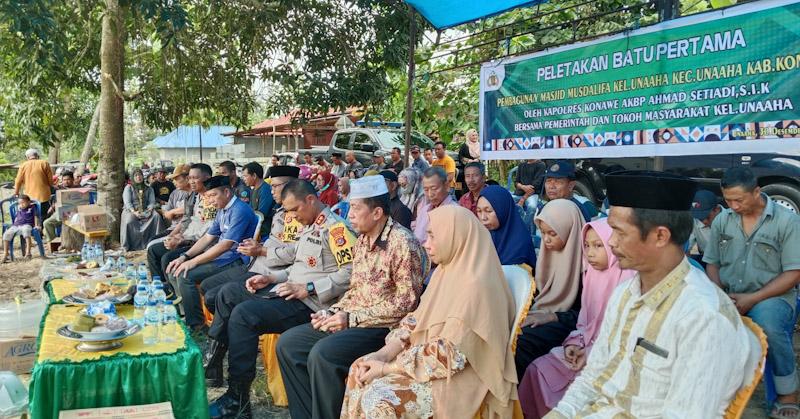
52, 155
86, 154
111, 177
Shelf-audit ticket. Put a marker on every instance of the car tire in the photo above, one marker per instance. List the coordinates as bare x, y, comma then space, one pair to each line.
583, 189
785, 194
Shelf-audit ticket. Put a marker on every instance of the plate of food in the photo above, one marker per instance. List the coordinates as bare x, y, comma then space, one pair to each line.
98, 328
101, 292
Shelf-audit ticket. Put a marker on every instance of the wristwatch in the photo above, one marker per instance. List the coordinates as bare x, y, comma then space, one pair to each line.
310, 288
186, 255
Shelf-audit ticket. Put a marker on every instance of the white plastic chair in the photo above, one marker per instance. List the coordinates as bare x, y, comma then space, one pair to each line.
257, 234
521, 285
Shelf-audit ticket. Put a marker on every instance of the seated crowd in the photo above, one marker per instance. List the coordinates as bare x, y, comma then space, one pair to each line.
393, 299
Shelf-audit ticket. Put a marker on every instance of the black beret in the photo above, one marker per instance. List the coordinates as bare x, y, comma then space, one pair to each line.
650, 190
216, 182
283, 171
389, 175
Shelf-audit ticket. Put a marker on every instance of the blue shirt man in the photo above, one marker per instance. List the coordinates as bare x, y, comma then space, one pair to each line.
216, 250
260, 194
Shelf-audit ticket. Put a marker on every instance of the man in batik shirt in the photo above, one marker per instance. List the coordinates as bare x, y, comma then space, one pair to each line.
385, 285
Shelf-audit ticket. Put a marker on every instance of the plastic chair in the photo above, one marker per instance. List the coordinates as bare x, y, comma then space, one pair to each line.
522, 286
769, 374
752, 370
257, 234
35, 233
510, 180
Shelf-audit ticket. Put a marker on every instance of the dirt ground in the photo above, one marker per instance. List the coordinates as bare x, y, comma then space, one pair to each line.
21, 278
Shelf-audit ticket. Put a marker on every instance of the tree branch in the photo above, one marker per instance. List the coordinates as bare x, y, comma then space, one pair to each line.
120, 94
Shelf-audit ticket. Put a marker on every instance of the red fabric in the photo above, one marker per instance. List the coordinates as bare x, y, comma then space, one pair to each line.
329, 196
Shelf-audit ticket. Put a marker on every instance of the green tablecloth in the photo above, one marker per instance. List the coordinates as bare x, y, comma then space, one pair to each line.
120, 379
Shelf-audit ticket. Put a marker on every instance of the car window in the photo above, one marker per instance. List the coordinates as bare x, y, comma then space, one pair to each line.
360, 140
390, 139
342, 140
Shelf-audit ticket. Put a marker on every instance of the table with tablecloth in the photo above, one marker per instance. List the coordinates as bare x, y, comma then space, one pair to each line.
64, 378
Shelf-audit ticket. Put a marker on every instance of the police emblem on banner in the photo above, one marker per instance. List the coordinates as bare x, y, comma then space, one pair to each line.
311, 261
341, 241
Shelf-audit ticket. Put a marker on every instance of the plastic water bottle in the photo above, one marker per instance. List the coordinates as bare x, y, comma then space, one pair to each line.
130, 274
169, 327
122, 263
85, 252
140, 301
152, 323
158, 292
142, 272
99, 253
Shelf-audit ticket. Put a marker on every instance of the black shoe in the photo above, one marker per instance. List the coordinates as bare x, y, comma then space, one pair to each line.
214, 354
215, 377
212, 362
234, 404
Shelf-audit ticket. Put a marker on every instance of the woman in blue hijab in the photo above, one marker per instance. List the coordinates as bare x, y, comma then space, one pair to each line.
497, 212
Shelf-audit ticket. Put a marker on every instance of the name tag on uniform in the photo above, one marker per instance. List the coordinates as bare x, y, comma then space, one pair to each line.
291, 229
341, 241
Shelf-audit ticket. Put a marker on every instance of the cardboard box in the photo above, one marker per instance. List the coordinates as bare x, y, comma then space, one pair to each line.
75, 196
18, 354
92, 217
65, 211
145, 411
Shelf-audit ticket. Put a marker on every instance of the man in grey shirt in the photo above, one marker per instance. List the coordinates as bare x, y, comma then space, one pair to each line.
354, 167
174, 209
418, 162
338, 167
754, 255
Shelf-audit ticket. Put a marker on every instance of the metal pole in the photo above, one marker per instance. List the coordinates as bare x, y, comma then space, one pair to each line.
200, 130
412, 43
667, 10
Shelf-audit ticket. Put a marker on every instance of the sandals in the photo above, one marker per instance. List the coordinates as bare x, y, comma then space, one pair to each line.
785, 411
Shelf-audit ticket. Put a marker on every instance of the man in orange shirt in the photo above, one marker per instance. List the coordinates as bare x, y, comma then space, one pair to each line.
35, 176
446, 163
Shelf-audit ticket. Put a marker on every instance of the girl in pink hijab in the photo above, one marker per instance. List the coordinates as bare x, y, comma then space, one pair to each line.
547, 378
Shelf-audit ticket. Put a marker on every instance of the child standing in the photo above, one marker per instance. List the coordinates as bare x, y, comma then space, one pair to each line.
24, 223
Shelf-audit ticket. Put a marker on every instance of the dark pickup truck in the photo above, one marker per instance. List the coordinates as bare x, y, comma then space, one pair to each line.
778, 175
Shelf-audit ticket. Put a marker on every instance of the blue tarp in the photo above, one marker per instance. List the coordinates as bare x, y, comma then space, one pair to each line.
448, 13
188, 136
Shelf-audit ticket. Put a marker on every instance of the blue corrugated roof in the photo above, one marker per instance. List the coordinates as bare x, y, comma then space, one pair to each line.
448, 13
188, 136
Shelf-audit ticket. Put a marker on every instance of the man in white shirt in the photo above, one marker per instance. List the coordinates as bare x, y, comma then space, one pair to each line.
671, 343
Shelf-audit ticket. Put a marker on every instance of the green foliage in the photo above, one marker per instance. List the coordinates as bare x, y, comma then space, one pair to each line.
446, 95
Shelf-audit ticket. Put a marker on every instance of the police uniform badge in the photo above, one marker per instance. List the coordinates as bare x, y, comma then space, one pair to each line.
341, 241
311, 261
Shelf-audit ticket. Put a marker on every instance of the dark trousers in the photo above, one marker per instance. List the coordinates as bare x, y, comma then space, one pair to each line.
187, 287
158, 257
211, 286
241, 317
314, 366
538, 341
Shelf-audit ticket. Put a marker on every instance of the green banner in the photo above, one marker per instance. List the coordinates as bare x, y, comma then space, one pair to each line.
719, 82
